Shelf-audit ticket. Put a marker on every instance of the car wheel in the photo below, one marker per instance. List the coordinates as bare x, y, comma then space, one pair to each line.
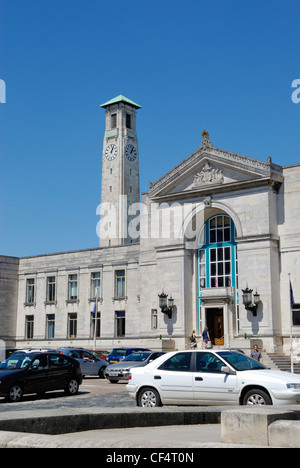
72, 387
15, 393
256, 397
101, 373
149, 398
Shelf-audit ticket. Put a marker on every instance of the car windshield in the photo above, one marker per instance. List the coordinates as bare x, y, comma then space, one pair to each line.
118, 352
17, 361
137, 357
240, 362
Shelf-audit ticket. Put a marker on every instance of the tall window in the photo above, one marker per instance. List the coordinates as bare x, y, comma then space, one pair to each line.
50, 293
72, 325
95, 284
154, 319
128, 121
30, 291
29, 327
120, 323
96, 322
50, 326
120, 283
217, 264
113, 121
73, 291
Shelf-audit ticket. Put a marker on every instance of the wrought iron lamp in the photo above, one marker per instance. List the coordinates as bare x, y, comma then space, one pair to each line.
166, 304
250, 300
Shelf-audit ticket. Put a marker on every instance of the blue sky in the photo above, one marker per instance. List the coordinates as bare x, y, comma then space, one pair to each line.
222, 65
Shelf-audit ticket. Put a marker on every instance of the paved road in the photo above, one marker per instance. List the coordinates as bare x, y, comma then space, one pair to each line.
92, 392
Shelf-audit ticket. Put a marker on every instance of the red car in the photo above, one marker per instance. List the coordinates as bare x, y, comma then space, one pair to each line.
101, 354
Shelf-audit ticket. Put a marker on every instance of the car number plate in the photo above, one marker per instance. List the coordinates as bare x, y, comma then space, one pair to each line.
113, 374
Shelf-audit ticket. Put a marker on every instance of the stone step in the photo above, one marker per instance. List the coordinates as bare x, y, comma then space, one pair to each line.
283, 362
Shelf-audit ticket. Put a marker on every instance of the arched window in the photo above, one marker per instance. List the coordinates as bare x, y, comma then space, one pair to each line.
217, 265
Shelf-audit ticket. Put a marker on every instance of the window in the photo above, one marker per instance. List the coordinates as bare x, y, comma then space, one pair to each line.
96, 284
50, 326
120, 283
73, 293
50, 293
154, 319
202, 268
96, 333
181, 362
128, 121
219, 229
72, 325
30, 291
120, 323
87, 355
58, 361
207, 362
217, 259
29, 326
220, 267
113, 120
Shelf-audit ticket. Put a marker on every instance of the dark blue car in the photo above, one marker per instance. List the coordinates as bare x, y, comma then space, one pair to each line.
118, 354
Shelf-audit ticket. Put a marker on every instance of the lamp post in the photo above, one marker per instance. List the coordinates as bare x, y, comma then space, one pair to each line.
166, 304
250, 300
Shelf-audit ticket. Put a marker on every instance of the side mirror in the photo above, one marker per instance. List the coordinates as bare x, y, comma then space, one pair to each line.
225, 370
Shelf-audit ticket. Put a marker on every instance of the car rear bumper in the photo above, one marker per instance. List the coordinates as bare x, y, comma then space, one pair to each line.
132, 390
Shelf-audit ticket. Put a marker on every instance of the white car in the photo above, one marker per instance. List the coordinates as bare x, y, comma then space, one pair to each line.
205, 377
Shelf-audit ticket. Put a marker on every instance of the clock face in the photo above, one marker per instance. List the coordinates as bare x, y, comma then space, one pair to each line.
131, 152
111, 152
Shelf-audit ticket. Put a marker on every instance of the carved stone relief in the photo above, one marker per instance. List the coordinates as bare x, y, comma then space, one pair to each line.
208, 175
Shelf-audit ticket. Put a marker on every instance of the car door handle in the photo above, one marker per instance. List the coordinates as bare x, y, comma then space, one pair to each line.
198, 378
157, 377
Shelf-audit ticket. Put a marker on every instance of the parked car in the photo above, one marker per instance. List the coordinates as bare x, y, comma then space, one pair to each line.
118, 354
90, 364
120, 370
204, 377
24, 373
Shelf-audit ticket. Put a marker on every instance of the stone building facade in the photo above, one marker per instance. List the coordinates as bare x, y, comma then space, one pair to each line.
217, 225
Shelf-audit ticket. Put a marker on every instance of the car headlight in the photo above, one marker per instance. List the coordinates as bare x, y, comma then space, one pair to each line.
294, 386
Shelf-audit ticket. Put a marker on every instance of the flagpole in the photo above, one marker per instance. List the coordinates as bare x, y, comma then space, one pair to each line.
291, 326
95, 318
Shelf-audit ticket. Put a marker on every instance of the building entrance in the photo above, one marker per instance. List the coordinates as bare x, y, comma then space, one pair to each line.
215, 324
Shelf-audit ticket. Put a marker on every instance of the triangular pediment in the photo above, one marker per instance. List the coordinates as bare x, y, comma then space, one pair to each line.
212, 168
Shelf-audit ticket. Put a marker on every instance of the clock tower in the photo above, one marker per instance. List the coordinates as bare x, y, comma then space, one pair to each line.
120, 186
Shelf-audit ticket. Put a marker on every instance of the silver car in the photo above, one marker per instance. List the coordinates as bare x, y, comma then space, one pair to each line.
120, 370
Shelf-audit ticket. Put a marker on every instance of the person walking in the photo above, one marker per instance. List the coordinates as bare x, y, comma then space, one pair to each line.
206, 337
256, 354
193, 340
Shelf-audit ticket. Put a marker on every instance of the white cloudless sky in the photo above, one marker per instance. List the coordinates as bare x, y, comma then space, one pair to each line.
226, 66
